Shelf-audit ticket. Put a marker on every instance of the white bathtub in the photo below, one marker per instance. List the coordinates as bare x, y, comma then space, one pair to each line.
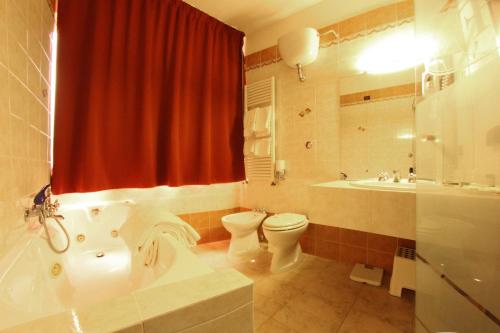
31, 288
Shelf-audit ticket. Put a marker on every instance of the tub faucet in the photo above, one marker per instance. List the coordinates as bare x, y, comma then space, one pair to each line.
43, 205
396, 175
43, 208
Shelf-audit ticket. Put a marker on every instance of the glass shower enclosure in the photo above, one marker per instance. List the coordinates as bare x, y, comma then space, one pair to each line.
458, 165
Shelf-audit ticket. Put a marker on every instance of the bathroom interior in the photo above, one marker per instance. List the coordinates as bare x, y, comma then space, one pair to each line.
249, 166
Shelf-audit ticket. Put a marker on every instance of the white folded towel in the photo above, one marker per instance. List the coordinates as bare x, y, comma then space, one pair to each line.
182, 232
147, 222
262, 147
249, 147
262, 121
249, 123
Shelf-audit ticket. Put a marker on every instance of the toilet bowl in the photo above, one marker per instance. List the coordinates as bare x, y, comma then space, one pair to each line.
243, 228
282, 232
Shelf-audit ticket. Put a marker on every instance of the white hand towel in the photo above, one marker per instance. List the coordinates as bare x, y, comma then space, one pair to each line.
249, 123
249, 147
262, 126
145, 221
262, 147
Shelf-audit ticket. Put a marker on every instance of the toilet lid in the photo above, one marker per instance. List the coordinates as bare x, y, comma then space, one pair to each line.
285, 220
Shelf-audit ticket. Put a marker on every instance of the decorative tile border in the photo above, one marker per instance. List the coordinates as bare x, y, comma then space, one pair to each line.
352, 246
369, 96
373, 21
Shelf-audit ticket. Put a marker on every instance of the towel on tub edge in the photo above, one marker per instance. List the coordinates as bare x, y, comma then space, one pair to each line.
146, 222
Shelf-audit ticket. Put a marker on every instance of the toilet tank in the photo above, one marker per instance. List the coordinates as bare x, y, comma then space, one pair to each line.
299, 47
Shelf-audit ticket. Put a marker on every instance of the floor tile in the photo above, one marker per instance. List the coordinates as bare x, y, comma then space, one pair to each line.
316, 296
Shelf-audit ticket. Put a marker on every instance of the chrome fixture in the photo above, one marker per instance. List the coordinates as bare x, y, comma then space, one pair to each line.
343, 176
412, 176
396, 176
304, 112
259, 210
302, 78
43, 208
383, 176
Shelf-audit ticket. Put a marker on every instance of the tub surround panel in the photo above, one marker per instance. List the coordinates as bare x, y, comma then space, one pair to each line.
179, 306
240, 320
220, 300
25, 28
352, 246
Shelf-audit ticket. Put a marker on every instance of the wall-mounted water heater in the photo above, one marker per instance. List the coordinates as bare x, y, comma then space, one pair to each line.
299, 48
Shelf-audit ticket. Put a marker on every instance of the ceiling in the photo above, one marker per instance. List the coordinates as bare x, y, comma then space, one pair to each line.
251, 15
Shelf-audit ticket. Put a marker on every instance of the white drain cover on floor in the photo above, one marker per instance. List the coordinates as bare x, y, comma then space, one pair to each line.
369, 275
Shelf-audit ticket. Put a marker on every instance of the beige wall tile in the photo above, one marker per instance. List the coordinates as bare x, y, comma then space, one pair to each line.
24, 28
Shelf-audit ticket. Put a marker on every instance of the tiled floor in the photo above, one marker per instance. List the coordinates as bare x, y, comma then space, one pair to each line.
316, 297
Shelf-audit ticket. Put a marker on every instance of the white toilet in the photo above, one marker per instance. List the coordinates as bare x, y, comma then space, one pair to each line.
243, 228
283, 232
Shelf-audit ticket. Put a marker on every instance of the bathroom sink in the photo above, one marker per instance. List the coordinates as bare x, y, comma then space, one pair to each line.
402, 186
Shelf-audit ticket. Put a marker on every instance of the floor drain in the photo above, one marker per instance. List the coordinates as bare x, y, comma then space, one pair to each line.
99, 254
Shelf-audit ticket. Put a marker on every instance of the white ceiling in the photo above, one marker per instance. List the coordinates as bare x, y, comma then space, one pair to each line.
251, 15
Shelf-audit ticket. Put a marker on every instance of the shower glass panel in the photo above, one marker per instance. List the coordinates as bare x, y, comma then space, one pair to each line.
458, 164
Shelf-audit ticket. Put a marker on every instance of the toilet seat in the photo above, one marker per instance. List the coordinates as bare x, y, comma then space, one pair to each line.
285, 221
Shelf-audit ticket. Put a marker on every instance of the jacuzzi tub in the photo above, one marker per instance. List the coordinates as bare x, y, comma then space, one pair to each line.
373, 183
101, 263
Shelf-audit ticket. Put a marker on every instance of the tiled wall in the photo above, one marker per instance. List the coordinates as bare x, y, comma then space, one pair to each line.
25, 28
352, 246
209, 224
329, 120
349, 29
319, 93
376, 137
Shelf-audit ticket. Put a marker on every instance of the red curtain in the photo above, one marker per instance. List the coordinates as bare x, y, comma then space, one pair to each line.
149, 92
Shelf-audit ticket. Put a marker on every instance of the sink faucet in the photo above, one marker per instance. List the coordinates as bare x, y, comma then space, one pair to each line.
412, 176
396, 175
383, 176
343, 176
